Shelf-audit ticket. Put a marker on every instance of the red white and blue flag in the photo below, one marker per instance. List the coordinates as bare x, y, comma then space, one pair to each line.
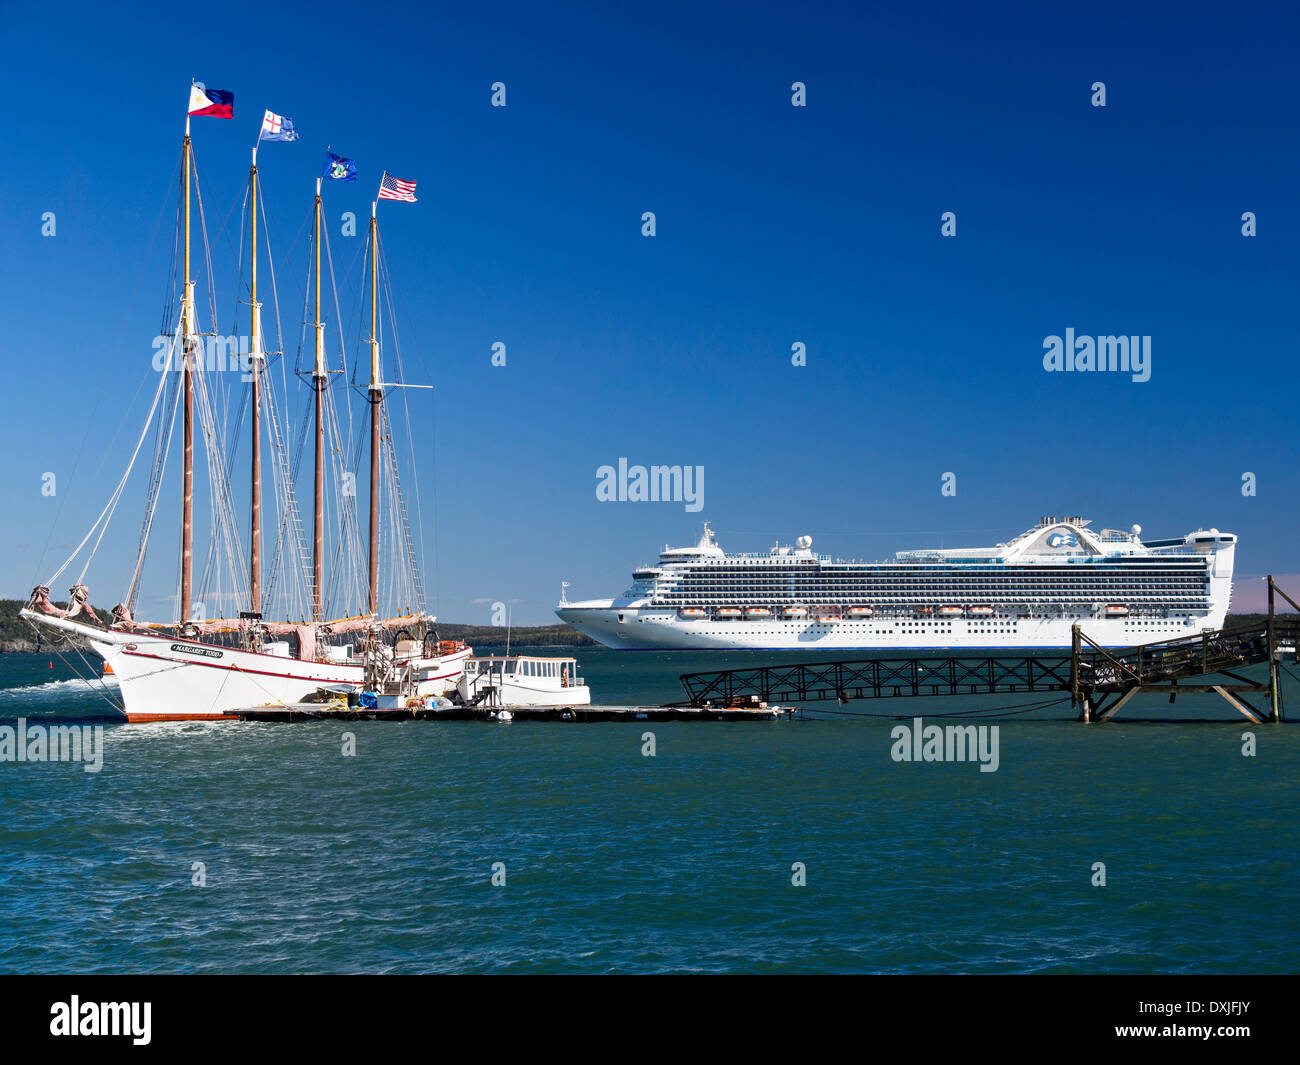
277, 128
215, 102
391, 188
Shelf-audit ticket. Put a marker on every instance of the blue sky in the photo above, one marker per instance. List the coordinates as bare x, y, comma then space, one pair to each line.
775, 224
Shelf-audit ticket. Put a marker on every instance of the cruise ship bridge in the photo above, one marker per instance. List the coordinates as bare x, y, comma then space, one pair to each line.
1099, 681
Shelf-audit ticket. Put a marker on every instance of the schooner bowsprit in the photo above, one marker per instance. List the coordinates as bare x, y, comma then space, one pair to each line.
193, 667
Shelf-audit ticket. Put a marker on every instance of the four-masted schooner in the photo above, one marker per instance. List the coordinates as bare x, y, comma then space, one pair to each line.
202, 668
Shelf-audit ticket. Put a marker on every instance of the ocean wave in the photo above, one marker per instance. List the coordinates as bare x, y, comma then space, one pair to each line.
73, 686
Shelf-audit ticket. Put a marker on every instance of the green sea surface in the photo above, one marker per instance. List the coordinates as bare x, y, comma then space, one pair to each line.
215, 848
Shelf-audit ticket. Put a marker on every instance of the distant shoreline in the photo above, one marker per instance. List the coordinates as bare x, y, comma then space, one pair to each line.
16, 634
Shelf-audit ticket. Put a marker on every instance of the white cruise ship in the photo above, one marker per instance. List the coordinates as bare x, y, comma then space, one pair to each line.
1027, 593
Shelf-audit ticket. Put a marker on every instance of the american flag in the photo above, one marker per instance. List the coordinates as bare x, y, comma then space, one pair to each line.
392, 188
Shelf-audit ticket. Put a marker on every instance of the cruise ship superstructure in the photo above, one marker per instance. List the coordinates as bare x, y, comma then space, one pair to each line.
1028, 592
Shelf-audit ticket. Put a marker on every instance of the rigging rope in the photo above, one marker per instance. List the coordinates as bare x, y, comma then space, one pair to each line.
161, 449
111, 505
99, 395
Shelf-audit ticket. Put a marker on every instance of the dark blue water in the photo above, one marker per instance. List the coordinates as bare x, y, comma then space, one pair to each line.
617, 862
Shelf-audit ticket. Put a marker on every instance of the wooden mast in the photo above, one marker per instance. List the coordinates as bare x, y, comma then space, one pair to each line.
376, 398
187, 387
255, 359
319, 381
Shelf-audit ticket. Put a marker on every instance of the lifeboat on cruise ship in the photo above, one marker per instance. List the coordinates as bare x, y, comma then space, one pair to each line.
980, 611
1116, 610
924, 611
692, 612
727, 612
861, 611
795, 612
757, 612
826, 619
951, 611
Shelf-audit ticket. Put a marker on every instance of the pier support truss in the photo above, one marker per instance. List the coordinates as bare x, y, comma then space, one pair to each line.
1102, 681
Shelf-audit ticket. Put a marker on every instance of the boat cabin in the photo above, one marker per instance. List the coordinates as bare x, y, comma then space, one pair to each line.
523, 680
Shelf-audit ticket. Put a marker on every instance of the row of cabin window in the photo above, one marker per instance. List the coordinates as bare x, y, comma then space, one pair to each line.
531, 669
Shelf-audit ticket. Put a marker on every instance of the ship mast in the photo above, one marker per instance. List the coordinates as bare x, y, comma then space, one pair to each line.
376, 398
319, 382
255, 359
187, 386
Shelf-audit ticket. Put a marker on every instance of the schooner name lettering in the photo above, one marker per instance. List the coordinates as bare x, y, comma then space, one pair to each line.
206, 652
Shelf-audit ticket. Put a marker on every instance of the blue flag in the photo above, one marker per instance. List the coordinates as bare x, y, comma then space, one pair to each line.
339, 169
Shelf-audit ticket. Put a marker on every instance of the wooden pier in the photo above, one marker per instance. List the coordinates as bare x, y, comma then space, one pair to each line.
1103, 681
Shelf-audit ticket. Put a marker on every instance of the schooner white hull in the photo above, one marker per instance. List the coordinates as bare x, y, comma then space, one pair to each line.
167, 679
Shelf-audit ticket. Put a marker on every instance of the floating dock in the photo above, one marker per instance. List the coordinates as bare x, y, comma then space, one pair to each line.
576, 714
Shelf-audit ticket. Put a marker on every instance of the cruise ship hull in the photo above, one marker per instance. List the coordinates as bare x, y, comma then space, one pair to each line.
658, 630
